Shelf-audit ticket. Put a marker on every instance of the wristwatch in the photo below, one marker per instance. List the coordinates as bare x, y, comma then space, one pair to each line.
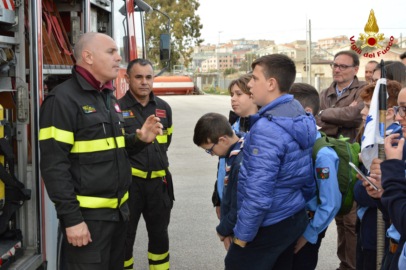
239, 242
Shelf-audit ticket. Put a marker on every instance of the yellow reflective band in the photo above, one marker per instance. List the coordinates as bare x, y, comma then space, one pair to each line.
162, 266
143, 174
139, 173
162, 138
98, 202
170, 130
158, 257
129, 263
97, 145
56, 134
155, 174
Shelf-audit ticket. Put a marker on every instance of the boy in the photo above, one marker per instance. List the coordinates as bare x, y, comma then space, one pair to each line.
323, 207
273, 184
214, 134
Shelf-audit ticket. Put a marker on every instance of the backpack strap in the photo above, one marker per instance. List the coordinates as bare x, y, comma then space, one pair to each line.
320, 143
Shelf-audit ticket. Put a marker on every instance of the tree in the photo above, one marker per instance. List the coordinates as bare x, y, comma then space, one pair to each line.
229, 71
184, 29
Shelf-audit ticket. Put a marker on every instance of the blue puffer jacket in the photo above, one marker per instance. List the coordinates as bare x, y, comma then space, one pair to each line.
274, 181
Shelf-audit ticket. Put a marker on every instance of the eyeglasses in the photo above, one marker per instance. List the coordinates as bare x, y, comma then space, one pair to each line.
210, 151
340, 67
401, 110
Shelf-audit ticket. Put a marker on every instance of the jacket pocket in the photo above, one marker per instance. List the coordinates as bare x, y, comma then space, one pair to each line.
97, 173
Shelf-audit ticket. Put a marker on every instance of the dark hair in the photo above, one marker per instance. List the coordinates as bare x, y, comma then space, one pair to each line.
211, 126
280, 67
392, 89
386, 63
139, 61
242, 83
402, 56
352, 54
396, 71
307, 95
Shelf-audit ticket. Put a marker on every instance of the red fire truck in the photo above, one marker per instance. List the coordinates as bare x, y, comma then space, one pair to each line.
36, 40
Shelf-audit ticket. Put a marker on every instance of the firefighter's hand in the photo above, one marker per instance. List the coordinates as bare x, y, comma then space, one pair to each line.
150, 129
78, 235
394, 152
299, 244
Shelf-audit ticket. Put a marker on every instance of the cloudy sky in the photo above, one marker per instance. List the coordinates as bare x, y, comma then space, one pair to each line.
286, 20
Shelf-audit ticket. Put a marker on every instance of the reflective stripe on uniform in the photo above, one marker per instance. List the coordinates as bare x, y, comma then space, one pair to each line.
162, 138
97, 145
98, 202
158, 261
80, 146
143, 174
170, 130
56, 134
129, 263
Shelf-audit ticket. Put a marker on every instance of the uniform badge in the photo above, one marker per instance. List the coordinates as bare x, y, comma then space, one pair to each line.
323, 173
160, 113
128, 114
88, 109
117, 108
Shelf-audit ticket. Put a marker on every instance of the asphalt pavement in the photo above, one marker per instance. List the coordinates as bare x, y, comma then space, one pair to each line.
194, 244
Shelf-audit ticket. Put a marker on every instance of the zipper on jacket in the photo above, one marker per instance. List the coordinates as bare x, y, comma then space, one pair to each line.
105, 134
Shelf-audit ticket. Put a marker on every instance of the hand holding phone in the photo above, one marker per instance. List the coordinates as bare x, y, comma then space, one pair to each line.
363, 175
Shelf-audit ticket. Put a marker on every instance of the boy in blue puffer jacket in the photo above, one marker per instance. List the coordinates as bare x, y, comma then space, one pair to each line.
274, 182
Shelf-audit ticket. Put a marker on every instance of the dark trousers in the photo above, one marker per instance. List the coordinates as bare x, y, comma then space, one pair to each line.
272, 247
150, 198
390, 260
366, 258
308, 256
105, 252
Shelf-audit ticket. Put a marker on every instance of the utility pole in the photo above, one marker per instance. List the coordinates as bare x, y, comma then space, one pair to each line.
309, 53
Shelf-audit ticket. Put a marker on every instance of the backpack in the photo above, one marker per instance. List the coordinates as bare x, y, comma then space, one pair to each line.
346, 175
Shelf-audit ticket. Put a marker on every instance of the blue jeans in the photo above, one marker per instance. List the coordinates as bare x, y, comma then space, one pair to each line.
272, 247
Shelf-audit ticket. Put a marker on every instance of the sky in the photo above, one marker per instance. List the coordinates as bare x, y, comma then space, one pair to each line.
287, 20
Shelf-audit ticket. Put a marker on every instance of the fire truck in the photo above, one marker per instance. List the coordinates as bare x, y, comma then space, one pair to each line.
36, 41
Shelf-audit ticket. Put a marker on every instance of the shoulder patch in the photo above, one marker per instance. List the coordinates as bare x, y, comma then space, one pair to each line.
160, 113
128, 114
88, 109
323, 173
117, 108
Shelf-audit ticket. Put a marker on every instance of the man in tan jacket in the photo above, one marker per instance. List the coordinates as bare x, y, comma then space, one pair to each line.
340, 114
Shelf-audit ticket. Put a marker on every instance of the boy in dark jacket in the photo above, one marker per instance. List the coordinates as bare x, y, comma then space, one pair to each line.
214, 134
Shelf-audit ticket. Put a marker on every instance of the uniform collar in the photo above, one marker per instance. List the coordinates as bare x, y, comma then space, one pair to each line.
92, 80
152, 98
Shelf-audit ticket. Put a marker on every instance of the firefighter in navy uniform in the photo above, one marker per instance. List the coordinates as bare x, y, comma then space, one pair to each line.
151, 191
84, 163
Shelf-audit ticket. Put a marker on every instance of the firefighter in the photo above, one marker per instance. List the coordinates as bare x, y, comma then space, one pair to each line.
151, 191
84, 163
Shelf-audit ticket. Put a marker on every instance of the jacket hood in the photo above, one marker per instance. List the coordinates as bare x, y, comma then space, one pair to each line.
289, 114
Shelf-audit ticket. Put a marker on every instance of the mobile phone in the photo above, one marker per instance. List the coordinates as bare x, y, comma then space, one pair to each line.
363, 175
